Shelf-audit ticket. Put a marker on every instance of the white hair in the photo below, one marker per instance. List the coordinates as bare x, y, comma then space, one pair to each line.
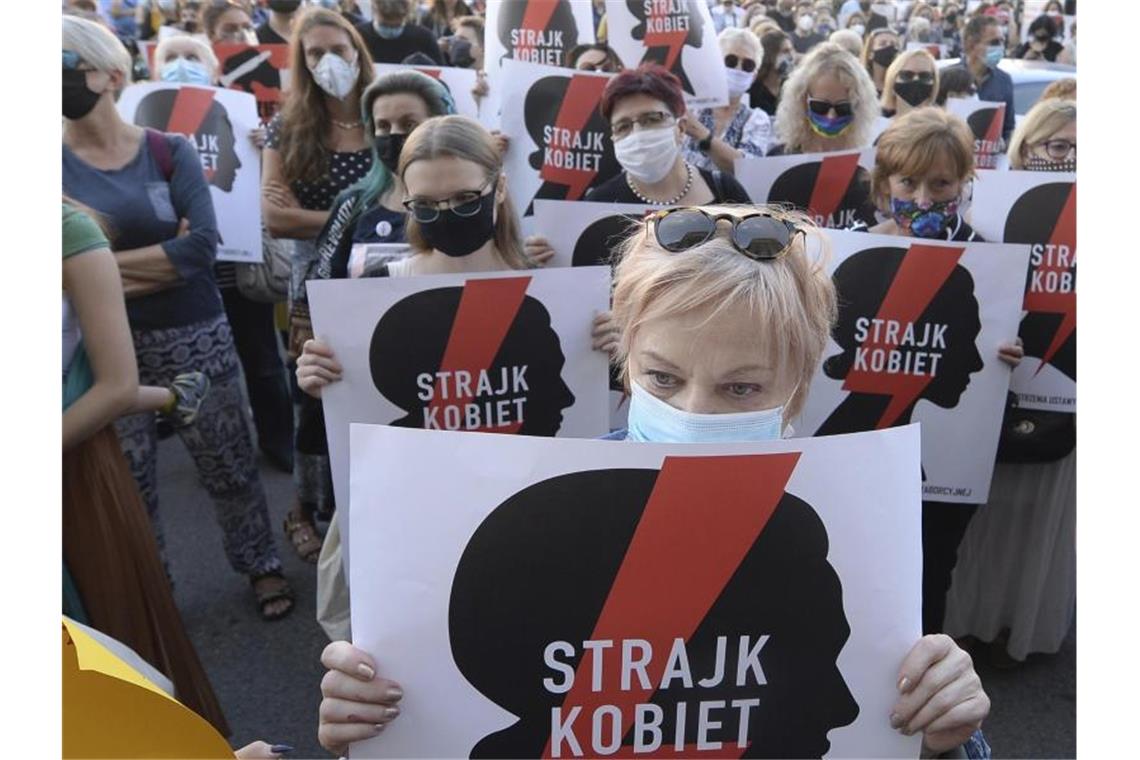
96, 45
733, 35
205, 52
849, 40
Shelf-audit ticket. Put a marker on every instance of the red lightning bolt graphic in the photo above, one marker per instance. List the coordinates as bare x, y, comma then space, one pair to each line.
1064, 234
581, 101
433, 73
704, 515
835, 175
536, 18
923, 272
486, 311
191, 105
658, 18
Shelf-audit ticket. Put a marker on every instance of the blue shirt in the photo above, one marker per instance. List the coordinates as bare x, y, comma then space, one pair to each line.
997, 87
142, 209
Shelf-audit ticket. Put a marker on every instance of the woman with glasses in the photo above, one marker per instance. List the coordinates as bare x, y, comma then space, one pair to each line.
827, 104
644, 107
723, 317
719, 136
1015, 584
912, 82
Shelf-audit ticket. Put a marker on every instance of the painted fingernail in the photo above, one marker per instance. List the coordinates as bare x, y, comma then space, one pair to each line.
280, 749
395, 693
896, 721
904, 683
365, 672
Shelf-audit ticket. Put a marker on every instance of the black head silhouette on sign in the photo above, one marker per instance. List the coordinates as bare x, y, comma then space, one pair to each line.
538, 31
835, 192
192, 111
479, 357
256, 70
665, 27
706, 572
908, 322
574, 151
986, 126
600, 240
1045, 218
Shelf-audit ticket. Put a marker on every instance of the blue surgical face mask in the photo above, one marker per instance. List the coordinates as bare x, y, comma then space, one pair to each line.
388, 32
652, 420
994, 54
185, 71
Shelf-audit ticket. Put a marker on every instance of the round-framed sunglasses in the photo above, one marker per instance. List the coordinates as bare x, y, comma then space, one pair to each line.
758, 236
746, 64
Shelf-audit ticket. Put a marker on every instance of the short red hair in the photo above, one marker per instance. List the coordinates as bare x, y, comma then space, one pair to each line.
649, 79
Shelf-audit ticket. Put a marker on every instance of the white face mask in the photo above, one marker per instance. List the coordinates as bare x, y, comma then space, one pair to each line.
652, 420
738, 82
806, 23
648, 154
335, 75
857, 28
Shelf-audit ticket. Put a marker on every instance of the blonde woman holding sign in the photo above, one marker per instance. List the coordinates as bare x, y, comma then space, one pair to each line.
690, 291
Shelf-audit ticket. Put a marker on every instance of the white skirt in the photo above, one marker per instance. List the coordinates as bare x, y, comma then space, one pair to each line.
1017, 563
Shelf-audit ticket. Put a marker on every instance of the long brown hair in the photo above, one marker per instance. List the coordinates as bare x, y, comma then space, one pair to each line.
461, 137
305, 119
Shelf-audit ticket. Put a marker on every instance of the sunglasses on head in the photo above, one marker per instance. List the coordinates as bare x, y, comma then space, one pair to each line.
926, 77
821, 107
747, 64
758, 236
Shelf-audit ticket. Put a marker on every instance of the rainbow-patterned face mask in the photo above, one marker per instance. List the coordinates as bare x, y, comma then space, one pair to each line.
827, 126
925, 222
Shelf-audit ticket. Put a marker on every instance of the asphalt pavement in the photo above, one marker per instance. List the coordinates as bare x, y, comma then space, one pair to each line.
267, 674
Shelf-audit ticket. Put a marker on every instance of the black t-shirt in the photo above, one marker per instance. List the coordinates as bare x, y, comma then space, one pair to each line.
415, 39
725, 189
804, 44
787, 23
760, 97
267, 36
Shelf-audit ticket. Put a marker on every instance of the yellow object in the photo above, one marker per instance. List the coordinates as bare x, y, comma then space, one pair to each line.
111, 710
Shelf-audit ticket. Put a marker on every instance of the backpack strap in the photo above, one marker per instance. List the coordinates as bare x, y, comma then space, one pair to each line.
159, 148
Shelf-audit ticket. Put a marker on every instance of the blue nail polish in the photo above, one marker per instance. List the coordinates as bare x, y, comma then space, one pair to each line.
280, 749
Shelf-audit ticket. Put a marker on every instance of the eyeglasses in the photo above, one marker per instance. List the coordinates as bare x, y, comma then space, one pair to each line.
926, 77
1059, 149
821, 107
466, 203
760, 237
650, 120
746, 64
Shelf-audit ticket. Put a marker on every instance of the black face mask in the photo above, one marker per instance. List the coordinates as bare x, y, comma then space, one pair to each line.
885, 56
458, 236
388, 147
284, 6
460, 53
914, 93
78, 100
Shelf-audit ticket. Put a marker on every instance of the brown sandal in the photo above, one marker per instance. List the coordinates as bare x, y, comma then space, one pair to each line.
303, 536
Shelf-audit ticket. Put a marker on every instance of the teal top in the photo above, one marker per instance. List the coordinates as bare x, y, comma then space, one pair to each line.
80, 235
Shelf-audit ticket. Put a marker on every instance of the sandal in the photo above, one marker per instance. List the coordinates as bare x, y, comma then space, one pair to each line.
303, 536
267, 597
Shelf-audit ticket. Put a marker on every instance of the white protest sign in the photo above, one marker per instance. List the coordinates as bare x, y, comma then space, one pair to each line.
917, 338
833, 188
677, 34
560, 145
218, 122
986, 120
1039, 208
534, 31
506, 352
459, 82
739, 583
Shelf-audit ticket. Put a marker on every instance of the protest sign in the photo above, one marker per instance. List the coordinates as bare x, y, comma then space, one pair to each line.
833, 188
560, 144
218, 123
459, 82
1039, 208
677, 34
534, 31
261, 70
986, 120
917, 338
567, 598
505, 352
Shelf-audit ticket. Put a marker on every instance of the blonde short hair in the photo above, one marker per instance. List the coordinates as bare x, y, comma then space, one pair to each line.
868, 51
792, 126
1043, 120
889, 99
913, 142
1065, 89
733, 35
97, 45
849, 40
205, 53
792, 297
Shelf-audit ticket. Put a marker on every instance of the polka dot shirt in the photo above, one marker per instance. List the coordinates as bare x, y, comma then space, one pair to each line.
345, 169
